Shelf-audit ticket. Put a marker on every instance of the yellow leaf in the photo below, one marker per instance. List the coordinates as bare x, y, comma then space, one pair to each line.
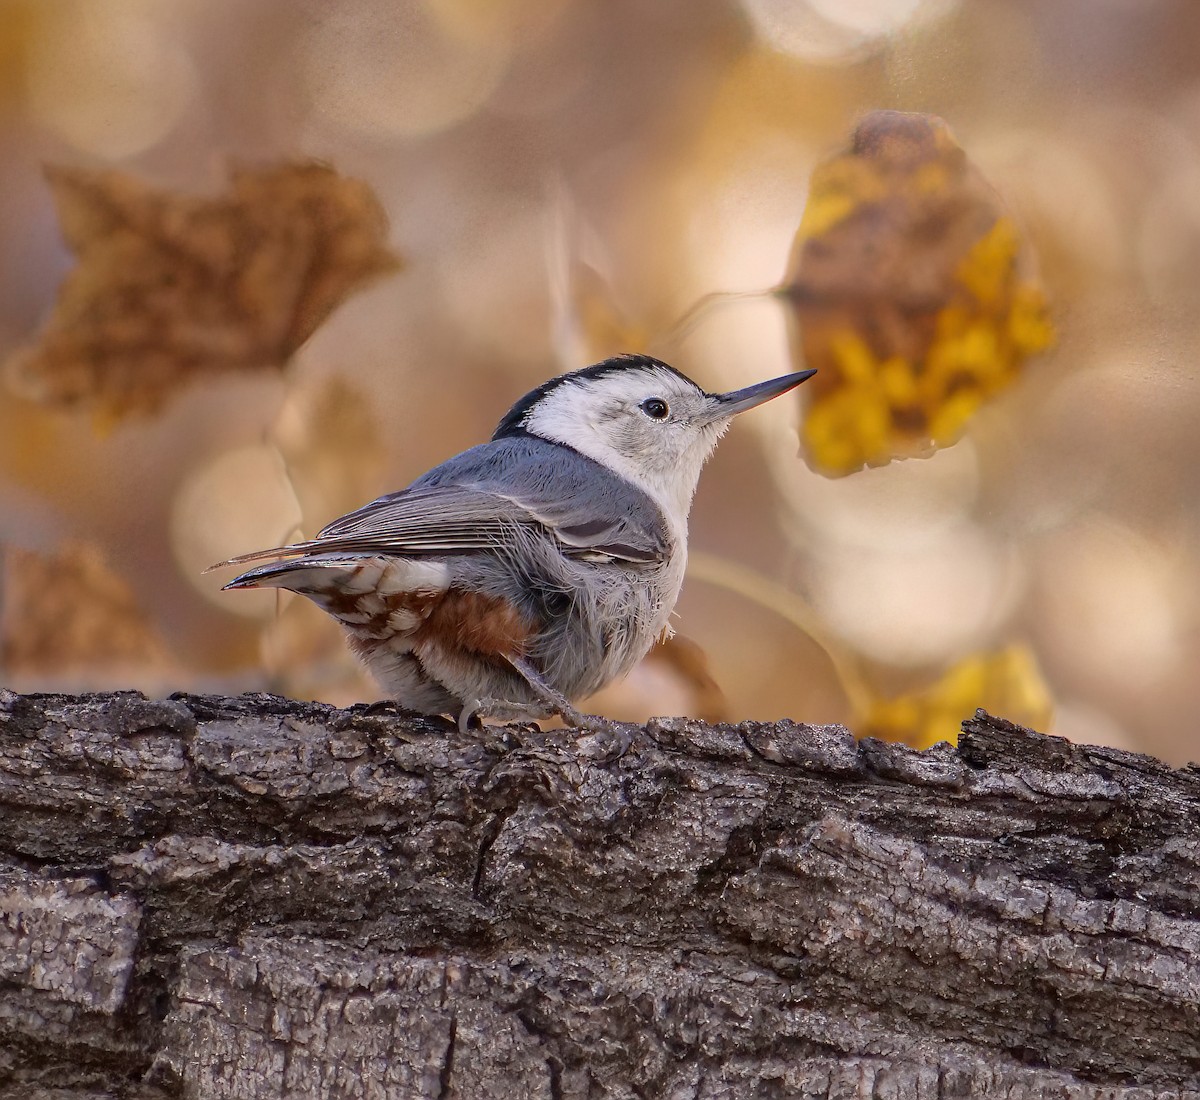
1007, 682
910, 292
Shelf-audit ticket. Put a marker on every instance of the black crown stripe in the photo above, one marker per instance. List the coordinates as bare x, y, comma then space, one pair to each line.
514, 420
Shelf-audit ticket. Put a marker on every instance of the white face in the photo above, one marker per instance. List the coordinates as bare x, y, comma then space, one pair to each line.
643, 423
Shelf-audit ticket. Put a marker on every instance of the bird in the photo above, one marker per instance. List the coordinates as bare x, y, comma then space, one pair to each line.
531, 570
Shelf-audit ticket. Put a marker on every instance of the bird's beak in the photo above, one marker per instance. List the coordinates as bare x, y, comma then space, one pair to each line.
725, 405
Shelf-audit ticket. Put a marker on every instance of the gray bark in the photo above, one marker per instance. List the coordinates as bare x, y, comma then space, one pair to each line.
252, 897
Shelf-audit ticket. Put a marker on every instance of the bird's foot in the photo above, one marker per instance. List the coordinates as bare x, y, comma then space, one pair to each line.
559, 704
605, 739
472, 714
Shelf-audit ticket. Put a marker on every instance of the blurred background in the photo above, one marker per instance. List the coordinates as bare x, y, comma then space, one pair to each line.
563, 180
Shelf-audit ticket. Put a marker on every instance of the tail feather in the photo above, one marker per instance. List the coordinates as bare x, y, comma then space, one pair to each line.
292, 550
286, 574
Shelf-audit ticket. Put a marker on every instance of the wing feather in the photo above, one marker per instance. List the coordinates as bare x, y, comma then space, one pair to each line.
455, 519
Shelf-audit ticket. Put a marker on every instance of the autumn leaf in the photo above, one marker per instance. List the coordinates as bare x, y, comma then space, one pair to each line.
170, 288
1007, 682
67, 610
912, 294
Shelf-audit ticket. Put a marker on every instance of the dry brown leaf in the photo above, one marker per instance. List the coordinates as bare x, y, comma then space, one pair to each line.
66, 611
172, 287
913, 294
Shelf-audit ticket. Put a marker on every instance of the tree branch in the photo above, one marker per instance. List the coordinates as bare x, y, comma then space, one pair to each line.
254, 897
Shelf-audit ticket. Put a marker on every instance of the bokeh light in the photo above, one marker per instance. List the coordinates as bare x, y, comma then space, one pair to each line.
111, 79
1115, 603
836, 30
240, 501
907, 504
388, 70
916, 605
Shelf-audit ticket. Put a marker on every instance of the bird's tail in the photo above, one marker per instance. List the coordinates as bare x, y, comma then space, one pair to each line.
292, 550
304, 575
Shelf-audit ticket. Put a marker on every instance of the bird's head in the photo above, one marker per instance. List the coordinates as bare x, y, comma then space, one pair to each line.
641, 419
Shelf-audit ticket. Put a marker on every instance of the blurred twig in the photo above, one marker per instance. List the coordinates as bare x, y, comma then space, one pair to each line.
690, 319
775, 597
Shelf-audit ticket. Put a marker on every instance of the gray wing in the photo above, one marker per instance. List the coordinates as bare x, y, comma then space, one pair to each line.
476, 507
455, 518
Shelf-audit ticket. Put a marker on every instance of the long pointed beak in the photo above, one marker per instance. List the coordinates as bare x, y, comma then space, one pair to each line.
730, 404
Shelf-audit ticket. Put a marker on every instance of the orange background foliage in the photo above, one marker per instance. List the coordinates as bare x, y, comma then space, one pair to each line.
561, 180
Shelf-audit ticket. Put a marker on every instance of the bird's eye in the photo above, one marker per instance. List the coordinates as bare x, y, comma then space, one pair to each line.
655, 408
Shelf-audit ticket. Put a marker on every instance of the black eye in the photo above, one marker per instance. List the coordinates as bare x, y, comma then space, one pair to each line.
655, 408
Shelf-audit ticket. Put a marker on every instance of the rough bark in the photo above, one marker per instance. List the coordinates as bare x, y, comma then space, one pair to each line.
252, 897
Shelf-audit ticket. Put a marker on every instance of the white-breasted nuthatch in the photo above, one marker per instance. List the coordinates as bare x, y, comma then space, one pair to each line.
533, 569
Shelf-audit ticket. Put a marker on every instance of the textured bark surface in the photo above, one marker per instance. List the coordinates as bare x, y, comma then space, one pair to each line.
251, 897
